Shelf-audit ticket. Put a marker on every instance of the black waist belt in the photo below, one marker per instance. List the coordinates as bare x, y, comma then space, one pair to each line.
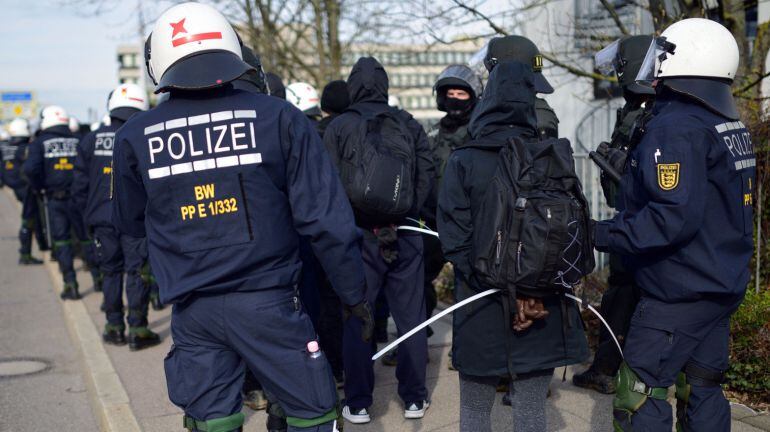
59, 195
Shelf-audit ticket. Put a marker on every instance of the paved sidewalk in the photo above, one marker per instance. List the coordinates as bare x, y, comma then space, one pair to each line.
32, 327
31, 322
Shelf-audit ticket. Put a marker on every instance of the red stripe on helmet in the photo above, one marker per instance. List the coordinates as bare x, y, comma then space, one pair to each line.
195, 38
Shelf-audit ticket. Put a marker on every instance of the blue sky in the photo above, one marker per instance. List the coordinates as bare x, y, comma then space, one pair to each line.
66, 56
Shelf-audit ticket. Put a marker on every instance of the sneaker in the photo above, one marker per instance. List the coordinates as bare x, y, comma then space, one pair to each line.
594, 380
356, 416
416, 410
255, 400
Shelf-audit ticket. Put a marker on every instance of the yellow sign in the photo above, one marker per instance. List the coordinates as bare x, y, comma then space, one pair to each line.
668, 176
18, 110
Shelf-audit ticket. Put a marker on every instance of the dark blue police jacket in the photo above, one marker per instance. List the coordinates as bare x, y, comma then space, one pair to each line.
51, 159
91, 185
222, 182
10, 172
688, 191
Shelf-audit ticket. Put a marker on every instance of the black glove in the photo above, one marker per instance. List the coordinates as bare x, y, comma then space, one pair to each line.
363, 312
615, 156
386, 238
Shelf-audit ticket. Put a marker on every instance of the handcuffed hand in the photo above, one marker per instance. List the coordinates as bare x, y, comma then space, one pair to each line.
528, 310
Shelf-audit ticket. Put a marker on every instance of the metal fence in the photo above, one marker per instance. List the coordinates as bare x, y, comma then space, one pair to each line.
596, 126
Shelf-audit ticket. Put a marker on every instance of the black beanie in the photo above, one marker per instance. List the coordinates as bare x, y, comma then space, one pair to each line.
335, 98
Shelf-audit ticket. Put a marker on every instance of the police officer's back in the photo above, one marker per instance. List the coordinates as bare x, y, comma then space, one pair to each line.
49, 169
223, 182
686, 229
119, 255
14, 153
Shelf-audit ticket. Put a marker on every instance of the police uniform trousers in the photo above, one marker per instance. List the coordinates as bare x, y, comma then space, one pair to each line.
402, 282
87, 251
61, 217
617, 307
217, 336
118, 254
30, 220
663, 338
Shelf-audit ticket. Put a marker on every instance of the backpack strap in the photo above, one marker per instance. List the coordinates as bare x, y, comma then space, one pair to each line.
523, 160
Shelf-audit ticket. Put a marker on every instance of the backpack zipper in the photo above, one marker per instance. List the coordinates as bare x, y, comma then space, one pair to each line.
518, 257
499, 247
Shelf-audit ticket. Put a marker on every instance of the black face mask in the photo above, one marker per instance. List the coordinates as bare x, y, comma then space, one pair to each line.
458, 107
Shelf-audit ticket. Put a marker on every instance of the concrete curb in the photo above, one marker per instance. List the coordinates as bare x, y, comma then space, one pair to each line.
109, 400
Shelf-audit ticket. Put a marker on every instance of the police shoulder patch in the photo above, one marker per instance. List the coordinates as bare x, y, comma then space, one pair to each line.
668, 176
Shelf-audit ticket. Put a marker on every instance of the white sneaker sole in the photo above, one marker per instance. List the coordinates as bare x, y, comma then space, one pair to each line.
355, 419
412, 415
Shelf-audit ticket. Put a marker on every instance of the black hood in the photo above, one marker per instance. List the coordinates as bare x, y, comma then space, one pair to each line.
508, 102
368, 83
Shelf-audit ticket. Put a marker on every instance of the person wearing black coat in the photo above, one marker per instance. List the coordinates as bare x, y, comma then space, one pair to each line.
485, 347
393, 263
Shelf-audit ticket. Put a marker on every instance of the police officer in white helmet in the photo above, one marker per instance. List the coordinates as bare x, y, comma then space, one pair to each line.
222, 182
686, 230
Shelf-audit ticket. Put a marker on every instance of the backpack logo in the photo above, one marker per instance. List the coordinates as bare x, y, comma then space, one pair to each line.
668, 176
396, 188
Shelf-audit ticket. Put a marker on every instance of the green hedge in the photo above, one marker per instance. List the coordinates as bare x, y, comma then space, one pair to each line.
749, 371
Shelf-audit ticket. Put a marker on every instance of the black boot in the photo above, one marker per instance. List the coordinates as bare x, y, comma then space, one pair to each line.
98, 279
141, 337
27, 259
155, 302
70, 291
591, 379
276, 419
114, 335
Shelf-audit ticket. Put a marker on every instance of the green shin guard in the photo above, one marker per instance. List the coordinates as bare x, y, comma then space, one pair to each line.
682, 397
631, 394
332, 415
225, 424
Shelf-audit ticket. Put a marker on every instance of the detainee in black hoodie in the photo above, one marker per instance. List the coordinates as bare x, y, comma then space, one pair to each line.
394, 265
484, 347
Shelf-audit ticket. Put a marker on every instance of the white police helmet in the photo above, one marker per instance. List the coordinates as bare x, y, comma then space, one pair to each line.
53, 116
74, 124
126, 100
128, 96
304, 97
698, 58
19, 128
193, 47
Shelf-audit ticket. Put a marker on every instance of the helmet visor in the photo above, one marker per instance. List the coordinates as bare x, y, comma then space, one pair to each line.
606, 59
656, 54
459, 75
476, 62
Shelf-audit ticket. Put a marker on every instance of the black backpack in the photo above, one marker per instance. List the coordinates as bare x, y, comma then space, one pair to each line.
531, 233
380, 178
